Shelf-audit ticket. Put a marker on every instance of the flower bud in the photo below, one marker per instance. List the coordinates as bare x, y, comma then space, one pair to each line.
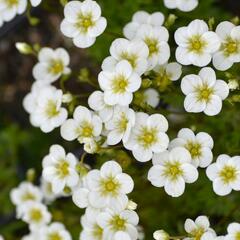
131, 205
161, 235
24, 48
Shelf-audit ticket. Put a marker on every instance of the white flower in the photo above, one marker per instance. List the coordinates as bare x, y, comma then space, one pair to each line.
225, 174
96, 102
119, 84
91, 229
52, 64
171, 170
148, 136
156, 39
233, 231
196, 44
59, 169
45, 110
54, 231
118, 224
135, 52
120, 125
91, 146
25, 192
139, 18
106, 187
35, 214
199, 146
83, 22
35, 3
198, 228
151, 97
203, 92
229, 52
183, 5
160, 235
83, 126
9, 9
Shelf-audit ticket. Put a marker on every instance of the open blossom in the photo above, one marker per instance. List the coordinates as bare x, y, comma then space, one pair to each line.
171, 169
83, 126
199, 146
225, 174
59, 169
25, 192
119, 84
46, 110
233, 231
148, 136
198, 228
134, 51
106, 187
183, 5
151, 97
54, 231
52, 64
156, 40
35, 214
83, 22
120, 125
196, 44
96, 102
140, 18
118, 224
229, 52
203, 92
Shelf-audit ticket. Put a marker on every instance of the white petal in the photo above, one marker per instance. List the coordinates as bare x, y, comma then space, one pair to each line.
83, 41
190, 83
126, 182
208, 76
98, 28
68, 130
214, 106
220, 62
221, 188
182, 56
221, 89
156, 176
80, 197
158, 121
110, 168
174, 70
142, 155
224, 29
212, 40
190, 173
191, 104
197, 27
175, 188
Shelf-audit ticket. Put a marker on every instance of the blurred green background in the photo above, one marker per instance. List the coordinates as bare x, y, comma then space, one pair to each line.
23, 147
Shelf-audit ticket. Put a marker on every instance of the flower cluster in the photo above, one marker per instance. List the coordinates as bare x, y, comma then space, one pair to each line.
200, 229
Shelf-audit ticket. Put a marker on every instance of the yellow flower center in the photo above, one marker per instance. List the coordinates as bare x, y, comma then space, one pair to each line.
51, 109
62, 168
97, 232
230, 47
196, 44
109, 186
28, 196
237, 237
162, 80
117, 223
131, 58
194, 148
12, 3
173, 170
147, 137
122, 124
86, 130
198, 234
35, 215
152, 45
119, 84
204, 93
54, 236
85, 21
228, 174
56, 67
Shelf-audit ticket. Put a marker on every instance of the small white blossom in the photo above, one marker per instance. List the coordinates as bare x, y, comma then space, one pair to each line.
140, 18
148, 136
118, 85
83, 126
199, 146
229, 52
198, 229
118, 224
160, 235
52, 64
183, 5
225, 174
134, 51
151, 97
171, 170
96, 102
204, 93
120, 125
83, 22
233, 231
35, 214
196, 44
59, 169
25, 192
